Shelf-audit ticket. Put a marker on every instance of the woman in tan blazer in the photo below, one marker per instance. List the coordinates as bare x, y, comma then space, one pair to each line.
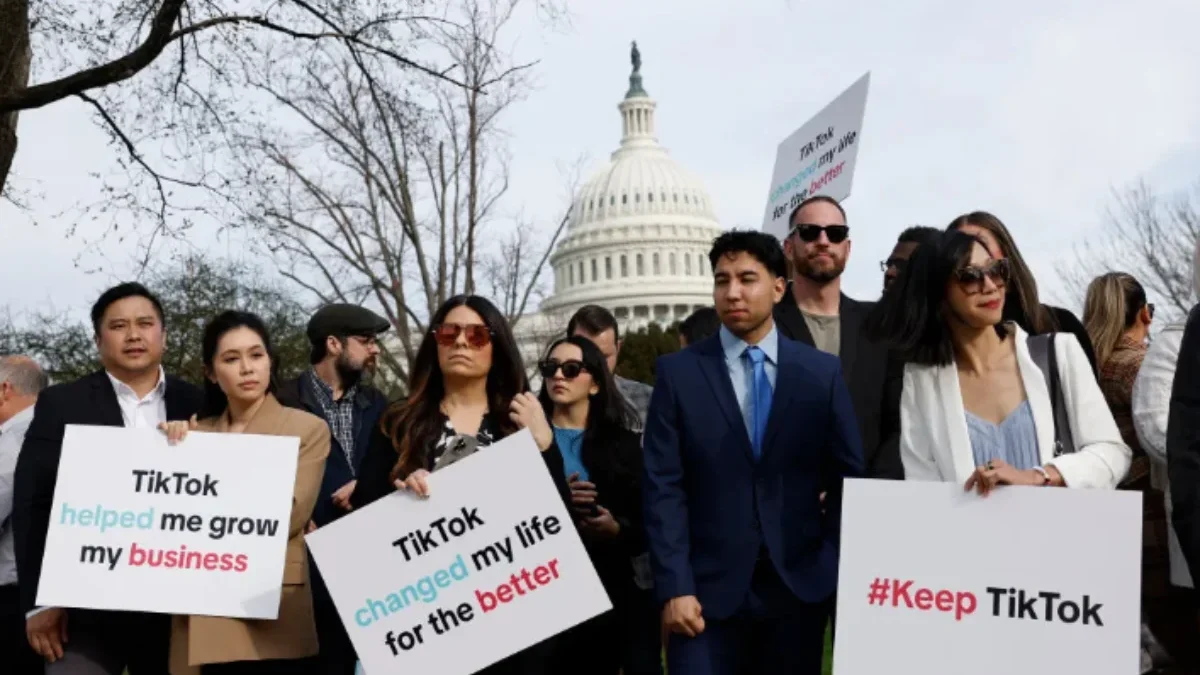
239, 366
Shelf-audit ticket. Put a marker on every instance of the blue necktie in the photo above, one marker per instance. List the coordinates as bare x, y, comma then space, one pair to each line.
760, 398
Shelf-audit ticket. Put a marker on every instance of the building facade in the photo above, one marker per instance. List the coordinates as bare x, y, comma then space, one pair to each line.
639, 234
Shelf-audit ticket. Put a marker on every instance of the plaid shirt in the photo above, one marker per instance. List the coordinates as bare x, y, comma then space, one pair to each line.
338, 414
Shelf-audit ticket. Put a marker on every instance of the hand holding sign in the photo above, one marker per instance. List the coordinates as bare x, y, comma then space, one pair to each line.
485, 567
176, 431
199, 530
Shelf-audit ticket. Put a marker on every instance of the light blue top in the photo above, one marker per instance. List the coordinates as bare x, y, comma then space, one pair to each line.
741, 373
570, 446
1014, 440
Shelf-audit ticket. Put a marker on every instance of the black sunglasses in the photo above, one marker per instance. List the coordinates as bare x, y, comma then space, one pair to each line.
1150, 308
971, 276
898, 263
809, 233
570, 369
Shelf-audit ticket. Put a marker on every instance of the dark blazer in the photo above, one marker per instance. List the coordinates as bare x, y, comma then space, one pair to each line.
1183, 444
89, 400
873, 375
369, 405
1064, 320
710, 508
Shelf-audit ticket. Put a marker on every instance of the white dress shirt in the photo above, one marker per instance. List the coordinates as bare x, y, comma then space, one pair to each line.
142, 413
12, 435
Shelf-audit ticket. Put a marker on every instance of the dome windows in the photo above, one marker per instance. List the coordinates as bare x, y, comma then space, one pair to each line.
637, 197
608, 267
624, 266
657, 269
624, 199
687, 264
650, 197
641, 270
671, 263
595, 275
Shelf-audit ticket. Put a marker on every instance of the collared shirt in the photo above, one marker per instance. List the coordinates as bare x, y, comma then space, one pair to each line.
339, 413
12, 435
146, 412
741, 373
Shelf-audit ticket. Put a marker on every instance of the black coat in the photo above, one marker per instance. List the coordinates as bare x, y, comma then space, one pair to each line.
1183, 444
1065, 321
873, 375
618, 484
369, 405
89, 400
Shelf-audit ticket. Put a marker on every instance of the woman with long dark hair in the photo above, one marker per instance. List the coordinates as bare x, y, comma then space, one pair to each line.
602, 461
1021, 304
240, 371
467, 389
976, 406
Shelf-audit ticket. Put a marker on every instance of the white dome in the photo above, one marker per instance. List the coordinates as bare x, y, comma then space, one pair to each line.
640, 230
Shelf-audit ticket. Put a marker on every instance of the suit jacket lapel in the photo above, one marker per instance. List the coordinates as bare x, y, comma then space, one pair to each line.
785, 387
267, 419
712, 364
105, 398
176, 406
850, 320
954, 416
790, 321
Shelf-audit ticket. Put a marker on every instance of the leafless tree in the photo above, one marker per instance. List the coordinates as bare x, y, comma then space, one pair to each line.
1148, 235
162, 77
366, 186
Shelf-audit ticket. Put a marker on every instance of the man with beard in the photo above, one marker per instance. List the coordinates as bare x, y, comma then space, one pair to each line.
344, 345
816, 312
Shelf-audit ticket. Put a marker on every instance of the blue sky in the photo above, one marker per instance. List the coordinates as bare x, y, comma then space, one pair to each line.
1033, 110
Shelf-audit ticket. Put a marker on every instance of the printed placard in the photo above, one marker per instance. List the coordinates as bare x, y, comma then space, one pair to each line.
489, 564
818, 158
1037, 581
200, 527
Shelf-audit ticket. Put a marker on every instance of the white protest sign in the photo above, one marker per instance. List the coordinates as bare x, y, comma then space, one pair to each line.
818, 159
200, 527
488, 565
1037, 581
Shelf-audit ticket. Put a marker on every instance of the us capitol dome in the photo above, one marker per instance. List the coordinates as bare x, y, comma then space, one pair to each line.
638, 237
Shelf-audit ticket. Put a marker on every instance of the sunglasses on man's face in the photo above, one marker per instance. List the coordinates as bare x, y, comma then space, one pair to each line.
570, 369
810, 233
478, 335
972, 276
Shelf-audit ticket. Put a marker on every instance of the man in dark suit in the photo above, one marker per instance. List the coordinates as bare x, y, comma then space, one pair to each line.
131, 391
744, 433
816, 312
344, 346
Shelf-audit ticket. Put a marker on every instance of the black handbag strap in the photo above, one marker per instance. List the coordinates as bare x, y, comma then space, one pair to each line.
1041, 348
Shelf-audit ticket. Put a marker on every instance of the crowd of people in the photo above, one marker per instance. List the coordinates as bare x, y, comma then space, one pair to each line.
709, 504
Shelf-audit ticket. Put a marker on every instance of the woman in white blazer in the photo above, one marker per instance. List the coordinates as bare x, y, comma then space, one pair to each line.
975, 408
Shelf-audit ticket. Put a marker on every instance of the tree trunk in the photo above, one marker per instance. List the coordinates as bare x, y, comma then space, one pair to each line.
15, 56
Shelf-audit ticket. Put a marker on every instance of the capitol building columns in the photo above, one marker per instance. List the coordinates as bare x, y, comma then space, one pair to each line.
638, 238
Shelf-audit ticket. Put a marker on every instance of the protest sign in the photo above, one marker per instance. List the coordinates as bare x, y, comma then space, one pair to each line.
1037, 581
488, 564
200, 527
818, 159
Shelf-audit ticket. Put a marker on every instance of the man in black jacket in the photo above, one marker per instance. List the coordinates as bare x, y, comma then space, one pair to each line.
1183, 444
344, 345
131, 391
816, 312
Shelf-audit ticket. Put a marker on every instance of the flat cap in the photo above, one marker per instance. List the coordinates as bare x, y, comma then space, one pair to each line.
342, 319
